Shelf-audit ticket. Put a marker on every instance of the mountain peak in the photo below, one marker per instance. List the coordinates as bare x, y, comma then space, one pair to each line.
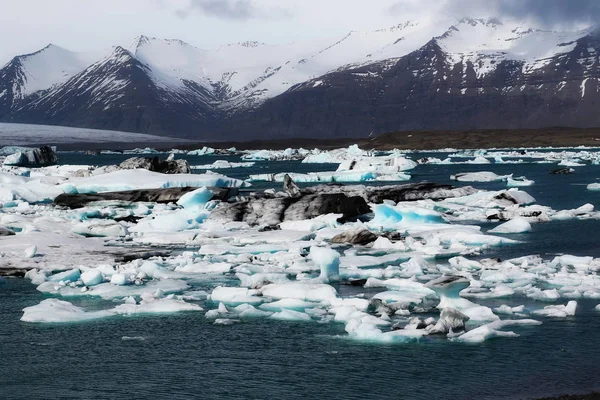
491, 22
139, 41
120, 55
121, 51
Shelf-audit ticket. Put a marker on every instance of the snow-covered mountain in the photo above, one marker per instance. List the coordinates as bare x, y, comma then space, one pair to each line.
29, 74
439, 74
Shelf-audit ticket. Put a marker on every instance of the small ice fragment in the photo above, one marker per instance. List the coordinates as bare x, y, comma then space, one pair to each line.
225, 321
483, 333
508, 310
558, 311
483, 176
30, 252
133, 338
118, 279
451, 320
291, 315
23, 207
59, 311
329, 262
249, 311
195, 199
71, 275
92, 277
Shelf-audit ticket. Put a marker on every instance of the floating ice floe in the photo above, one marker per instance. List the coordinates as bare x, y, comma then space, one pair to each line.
518, 182
201, 152
337, 176
558, 311
492, 330
484, 176
223, 164
328, 261
571, 163
594, 186
335, 156
275, 155
516, 225
60, 311
143, 179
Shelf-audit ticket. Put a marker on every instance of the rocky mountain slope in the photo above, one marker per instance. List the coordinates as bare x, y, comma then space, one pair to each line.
467, 74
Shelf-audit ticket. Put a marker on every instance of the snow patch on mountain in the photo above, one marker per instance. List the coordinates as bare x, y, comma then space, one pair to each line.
485, 43
46, 68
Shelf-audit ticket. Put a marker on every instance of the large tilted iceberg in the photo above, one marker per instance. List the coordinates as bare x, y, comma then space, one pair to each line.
143, 179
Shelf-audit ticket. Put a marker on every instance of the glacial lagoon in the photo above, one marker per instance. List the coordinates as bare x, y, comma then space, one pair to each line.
114, 345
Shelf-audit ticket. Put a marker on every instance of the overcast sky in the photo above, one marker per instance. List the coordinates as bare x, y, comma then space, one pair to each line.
84, 25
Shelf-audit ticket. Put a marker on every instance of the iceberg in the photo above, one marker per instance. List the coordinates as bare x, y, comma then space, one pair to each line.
152, 305
558, 311
43, 156
201, 152
335, 156
324, 177
275, 155
484, 176
388, 215
60, 311
516, 225
223, 164
92, 277
518, 182
492, 330
328, 261
71, 275
290, 315
451, 320
570, 163
235, 295
316, 292
287, 304
195, 199
143, 179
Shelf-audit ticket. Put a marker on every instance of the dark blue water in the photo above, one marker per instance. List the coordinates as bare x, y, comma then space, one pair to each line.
184, 356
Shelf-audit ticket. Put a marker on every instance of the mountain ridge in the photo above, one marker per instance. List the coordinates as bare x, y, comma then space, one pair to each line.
468, 74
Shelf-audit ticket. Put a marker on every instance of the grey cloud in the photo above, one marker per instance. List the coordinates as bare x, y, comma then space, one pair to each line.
231, 9
546, 12
228, 9
552, 11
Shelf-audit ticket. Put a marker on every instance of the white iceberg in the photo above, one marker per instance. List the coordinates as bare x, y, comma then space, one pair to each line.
143, 179
484, 176
223, 164
515, 225
328, 261
558, 311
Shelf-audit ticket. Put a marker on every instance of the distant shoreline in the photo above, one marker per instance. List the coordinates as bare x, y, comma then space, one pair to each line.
405, 140
434, 140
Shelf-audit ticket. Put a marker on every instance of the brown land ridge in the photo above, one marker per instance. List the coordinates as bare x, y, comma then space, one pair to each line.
429, 140
405, 140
